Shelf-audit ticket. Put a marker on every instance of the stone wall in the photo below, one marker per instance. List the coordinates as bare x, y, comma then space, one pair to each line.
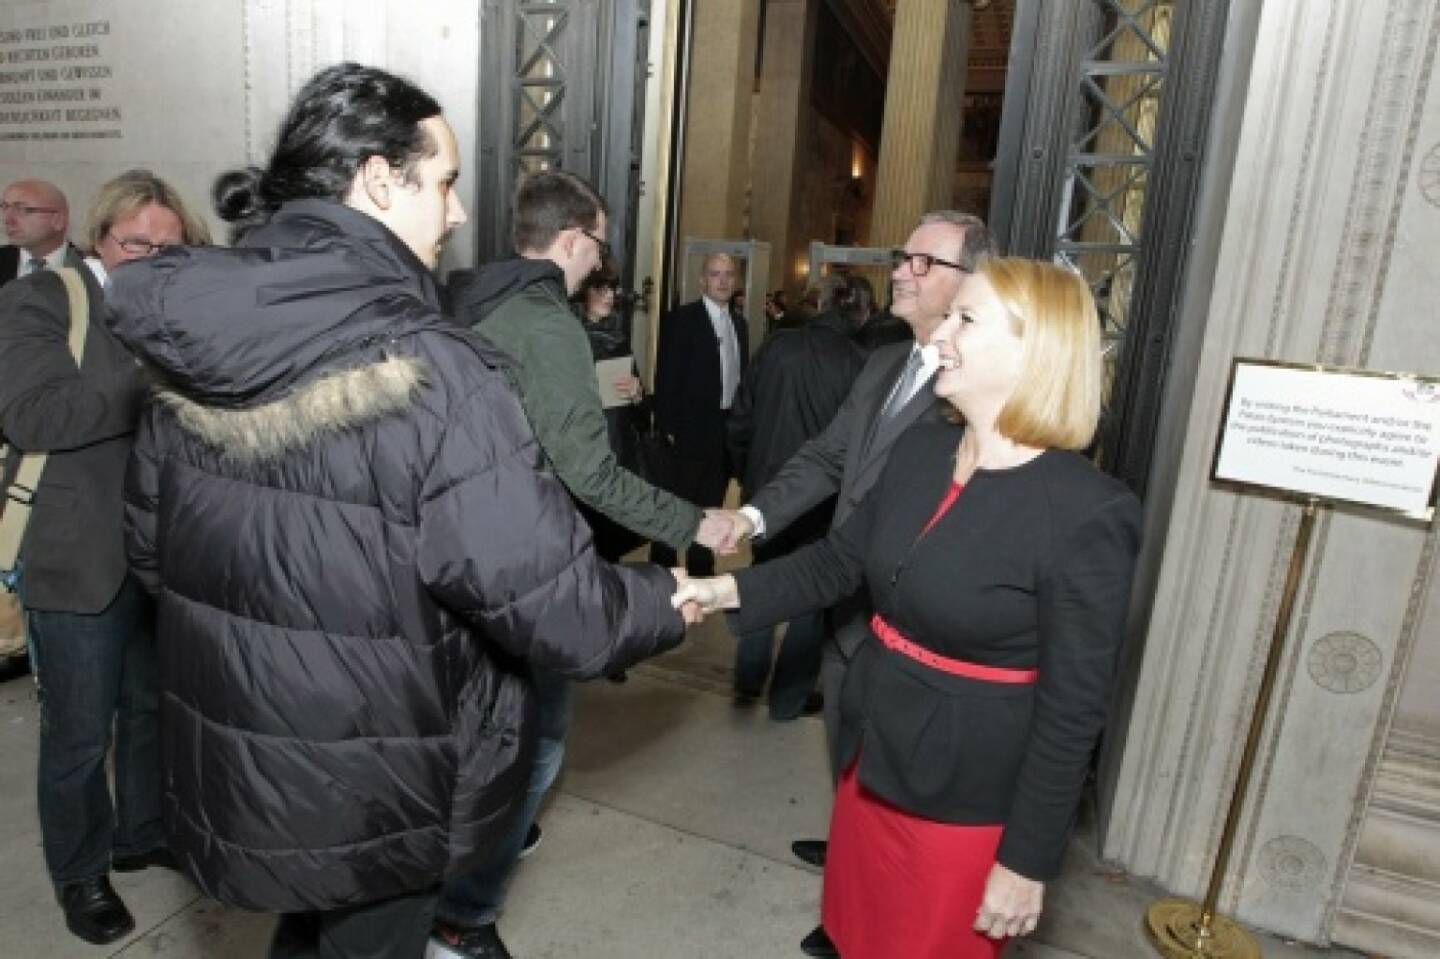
191, 89
1329, 223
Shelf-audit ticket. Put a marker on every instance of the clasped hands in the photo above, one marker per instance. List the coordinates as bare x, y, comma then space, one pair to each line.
695, 596
722, 530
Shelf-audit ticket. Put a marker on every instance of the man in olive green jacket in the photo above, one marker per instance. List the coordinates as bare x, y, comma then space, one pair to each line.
522, 307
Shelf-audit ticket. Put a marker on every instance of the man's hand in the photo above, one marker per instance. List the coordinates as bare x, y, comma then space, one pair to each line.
716, 531
738, 529
1011, 905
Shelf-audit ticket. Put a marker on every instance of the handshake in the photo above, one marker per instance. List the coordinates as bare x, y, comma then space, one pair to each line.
722, 530
696, 596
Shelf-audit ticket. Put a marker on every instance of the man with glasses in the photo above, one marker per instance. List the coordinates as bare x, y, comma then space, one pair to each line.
89, 619
891, 393
37, 217
521, 306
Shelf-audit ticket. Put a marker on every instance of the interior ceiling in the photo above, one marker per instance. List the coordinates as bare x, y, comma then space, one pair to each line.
871, 23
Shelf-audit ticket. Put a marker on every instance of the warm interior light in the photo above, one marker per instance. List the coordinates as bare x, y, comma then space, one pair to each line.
857, 162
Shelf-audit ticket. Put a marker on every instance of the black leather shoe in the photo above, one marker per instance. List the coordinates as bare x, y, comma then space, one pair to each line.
160, 856
814, 703
810, 851
482, 942
818, 944
93, 911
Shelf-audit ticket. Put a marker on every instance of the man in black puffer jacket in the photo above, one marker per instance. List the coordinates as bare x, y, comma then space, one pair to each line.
340, 505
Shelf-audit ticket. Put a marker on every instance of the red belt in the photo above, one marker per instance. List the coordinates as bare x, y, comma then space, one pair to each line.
892, 639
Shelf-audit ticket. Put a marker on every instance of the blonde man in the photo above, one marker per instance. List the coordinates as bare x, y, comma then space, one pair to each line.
86, 615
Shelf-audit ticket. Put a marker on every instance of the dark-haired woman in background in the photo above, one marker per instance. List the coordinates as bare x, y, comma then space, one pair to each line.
999, 562
608, 329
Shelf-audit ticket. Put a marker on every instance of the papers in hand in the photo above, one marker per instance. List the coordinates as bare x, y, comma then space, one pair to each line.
607, 372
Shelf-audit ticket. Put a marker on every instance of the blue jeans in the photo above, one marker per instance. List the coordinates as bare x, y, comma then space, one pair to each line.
97, 671
796, 668
476, 898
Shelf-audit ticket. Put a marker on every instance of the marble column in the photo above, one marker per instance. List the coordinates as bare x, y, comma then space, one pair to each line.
717, 119
783, 119
924, 95
1326, 224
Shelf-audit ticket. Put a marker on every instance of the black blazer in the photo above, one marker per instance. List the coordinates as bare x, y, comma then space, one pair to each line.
1030, 568
10, 260
847, 459
687, 377
73, 550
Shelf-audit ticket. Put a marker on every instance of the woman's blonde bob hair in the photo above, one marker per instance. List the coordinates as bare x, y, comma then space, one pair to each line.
132, 190
1056, 402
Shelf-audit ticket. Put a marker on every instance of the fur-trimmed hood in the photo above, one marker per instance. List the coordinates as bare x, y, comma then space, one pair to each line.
343, 400
291, 319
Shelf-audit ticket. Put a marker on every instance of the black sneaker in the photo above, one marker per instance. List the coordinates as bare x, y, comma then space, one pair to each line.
532, 840
482, 942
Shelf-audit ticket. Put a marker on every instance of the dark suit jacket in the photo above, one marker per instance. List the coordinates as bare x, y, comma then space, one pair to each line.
73, 552
687, 378
795, 385
10, 260
847, 459
1030, 568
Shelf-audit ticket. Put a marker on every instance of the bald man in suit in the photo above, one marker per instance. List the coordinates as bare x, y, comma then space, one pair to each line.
37, 217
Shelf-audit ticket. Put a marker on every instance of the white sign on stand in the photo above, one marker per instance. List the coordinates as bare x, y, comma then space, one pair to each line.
1352, 436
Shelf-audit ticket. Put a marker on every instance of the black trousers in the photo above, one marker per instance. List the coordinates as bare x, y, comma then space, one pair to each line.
701, 476
397, 928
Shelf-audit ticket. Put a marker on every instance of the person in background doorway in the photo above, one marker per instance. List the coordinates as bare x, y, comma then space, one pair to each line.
794, 387
699, 362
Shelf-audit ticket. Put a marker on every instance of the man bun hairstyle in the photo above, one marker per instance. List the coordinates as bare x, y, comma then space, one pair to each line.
343, 116
551, 201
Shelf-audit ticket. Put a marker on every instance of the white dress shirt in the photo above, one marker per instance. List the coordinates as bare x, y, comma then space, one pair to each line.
53, 260
929, 363
729, 350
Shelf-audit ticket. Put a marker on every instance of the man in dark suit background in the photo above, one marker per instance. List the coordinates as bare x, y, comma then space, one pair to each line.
796, 384
36, 220
700, 358
891, 393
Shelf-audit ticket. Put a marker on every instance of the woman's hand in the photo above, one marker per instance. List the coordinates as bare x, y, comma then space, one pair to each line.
1011, 904
709, 594
629, 388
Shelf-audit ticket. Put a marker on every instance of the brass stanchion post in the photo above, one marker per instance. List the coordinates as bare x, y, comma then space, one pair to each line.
1181, 928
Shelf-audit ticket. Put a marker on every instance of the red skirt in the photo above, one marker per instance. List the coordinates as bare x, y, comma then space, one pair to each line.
900, 886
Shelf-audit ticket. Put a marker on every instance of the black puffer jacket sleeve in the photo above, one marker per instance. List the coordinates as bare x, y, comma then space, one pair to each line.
142, 495
502, 544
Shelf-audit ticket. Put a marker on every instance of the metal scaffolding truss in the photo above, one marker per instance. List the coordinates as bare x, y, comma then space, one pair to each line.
1107, 106
537, 137
561, 87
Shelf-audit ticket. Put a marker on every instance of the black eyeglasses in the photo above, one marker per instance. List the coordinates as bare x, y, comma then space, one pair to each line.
604, 247
920, 263
137, 245
25, 209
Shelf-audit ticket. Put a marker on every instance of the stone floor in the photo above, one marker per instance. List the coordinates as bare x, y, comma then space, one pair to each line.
668, 837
